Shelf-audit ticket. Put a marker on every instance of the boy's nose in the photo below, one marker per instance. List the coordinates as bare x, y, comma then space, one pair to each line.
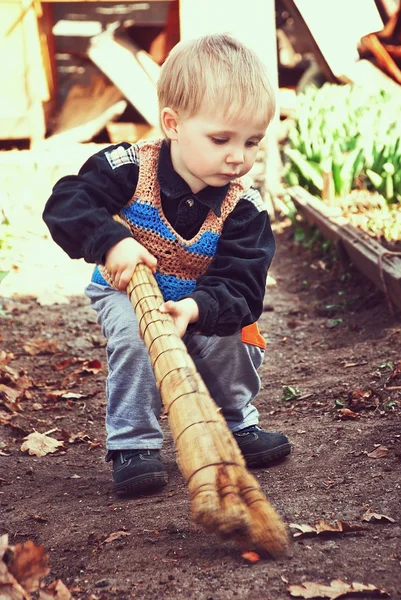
235, 157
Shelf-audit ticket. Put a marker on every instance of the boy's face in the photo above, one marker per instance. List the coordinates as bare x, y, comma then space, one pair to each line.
211, 149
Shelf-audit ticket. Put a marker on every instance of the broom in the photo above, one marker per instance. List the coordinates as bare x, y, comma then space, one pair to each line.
225, 498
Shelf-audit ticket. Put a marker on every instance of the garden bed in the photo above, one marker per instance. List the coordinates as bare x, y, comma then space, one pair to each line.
379, 263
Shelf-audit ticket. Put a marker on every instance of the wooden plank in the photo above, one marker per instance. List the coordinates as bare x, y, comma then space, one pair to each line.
334, 30
24, 82
119, 60
369, 257
87, 110
131, 132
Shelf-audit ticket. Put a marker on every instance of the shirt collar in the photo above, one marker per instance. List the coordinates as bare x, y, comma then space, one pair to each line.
173, 185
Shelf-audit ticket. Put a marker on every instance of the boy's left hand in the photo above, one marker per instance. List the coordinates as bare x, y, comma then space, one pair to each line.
184, 312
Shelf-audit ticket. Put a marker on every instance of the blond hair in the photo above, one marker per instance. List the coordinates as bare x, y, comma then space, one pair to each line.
216, 71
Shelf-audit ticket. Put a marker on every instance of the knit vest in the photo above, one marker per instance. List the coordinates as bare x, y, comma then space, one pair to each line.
179, 261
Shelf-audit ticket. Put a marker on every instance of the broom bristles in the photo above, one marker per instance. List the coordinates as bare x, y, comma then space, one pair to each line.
225, 498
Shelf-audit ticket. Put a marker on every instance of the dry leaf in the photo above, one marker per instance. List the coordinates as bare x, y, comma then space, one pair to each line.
368, 516
5, 357
251, 556
336, 589
117, 535
396, 370
38, 346
346, 413
29, 565
63, 364
379, 452
56, 591
39, 444
55, 394
3, 544
8, 394
73, 396
359, 400
92, 366
322, 527
10, 589
302, 529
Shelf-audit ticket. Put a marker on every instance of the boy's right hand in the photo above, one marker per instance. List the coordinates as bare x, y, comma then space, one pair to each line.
123, 257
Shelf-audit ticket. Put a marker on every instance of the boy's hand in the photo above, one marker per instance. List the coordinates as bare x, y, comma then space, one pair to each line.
123, 257
184, 312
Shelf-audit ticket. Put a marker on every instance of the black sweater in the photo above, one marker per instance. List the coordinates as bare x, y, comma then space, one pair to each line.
230, 293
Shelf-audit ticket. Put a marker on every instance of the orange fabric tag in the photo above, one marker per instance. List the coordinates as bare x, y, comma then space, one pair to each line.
251, 335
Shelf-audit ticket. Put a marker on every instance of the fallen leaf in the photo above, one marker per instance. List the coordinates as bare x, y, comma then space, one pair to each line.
322, 527
346, 413
10, 589
336, 589
29, 565
5, 417
3, 544
359, 400
39, 444
73, 438
5, 357
70, 380
379, 452
73, 396
63, 364
302, 529
117, 535
396, 370
40, 346
251, 556
55, 591
369, 515
92, 366
8, 394
55, 394
38, 518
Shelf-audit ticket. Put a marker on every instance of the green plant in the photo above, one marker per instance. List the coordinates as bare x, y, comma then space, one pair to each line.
290, 393
350, 132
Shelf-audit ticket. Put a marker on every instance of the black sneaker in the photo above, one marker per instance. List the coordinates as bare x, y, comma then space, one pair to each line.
261, 448
137, 471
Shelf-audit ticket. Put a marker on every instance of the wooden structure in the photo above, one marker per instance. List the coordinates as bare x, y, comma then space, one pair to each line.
26, 70
31, 50
377, 264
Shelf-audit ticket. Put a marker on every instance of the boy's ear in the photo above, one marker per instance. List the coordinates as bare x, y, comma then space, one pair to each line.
169, 122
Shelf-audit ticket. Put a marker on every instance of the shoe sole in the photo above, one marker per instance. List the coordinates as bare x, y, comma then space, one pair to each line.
142, 483
263, 459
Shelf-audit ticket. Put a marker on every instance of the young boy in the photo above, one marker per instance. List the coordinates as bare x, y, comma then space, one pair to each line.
195, 220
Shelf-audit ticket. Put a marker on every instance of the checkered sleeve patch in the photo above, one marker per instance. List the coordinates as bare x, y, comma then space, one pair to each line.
253, 196
123, 156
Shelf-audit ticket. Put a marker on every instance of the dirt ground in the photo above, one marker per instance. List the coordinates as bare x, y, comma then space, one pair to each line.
332, 345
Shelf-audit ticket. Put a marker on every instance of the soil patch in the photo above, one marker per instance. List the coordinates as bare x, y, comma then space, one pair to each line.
333, 350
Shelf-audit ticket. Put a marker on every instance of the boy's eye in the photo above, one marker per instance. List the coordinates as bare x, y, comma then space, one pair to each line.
251, 144
218, 140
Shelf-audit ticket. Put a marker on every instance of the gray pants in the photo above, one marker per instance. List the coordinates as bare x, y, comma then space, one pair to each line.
227, 366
